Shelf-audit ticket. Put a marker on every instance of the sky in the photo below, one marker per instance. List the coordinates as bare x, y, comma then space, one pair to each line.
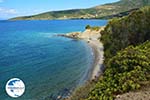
13, 8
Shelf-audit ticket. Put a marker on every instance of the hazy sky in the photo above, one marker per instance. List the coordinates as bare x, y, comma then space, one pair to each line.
12, 8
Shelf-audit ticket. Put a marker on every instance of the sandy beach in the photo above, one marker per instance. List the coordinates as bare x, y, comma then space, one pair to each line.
91, 37
97, 48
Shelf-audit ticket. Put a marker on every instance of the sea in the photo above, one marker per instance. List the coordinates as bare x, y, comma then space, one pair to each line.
49, 65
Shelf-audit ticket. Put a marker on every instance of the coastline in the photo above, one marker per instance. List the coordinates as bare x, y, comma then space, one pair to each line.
91, 37
97, 68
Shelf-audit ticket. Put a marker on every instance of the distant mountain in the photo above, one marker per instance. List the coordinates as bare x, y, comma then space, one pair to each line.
102, 11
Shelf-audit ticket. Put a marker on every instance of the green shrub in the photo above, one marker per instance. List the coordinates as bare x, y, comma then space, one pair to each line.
122, 32
88, 27
124, 73
95, 28
82, 92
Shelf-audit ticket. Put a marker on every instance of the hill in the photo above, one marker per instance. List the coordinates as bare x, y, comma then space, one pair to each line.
101, 11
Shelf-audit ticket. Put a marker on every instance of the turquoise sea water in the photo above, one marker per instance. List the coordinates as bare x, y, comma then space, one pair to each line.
48, 65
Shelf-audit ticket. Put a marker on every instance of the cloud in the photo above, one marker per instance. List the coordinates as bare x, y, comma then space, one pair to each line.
7, 11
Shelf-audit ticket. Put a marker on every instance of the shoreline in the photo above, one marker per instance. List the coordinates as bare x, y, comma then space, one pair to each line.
97, 67
91, 38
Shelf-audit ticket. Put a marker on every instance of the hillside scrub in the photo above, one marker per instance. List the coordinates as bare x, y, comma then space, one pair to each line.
127, 55
122, 32
127, 58
125, 72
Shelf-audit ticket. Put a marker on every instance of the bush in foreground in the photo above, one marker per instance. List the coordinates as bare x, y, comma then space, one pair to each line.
125, 72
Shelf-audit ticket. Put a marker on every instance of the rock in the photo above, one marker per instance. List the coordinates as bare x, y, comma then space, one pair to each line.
59, 97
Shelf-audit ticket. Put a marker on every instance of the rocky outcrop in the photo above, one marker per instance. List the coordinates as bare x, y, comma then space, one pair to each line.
88, 34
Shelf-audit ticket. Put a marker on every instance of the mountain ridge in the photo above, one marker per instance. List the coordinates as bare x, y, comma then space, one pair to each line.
100, 11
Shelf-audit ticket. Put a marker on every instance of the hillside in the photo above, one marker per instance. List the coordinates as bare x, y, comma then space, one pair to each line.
126, 43
101, 11
127, 46
122, 32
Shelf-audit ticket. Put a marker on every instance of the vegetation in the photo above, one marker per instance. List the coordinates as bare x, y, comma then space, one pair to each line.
127, 58
82, 92
101, 11
118, 15
122, 32
95, 28
88, 27
125, 72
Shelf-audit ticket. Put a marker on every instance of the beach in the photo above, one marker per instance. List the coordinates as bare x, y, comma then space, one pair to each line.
92, 39
97, 49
